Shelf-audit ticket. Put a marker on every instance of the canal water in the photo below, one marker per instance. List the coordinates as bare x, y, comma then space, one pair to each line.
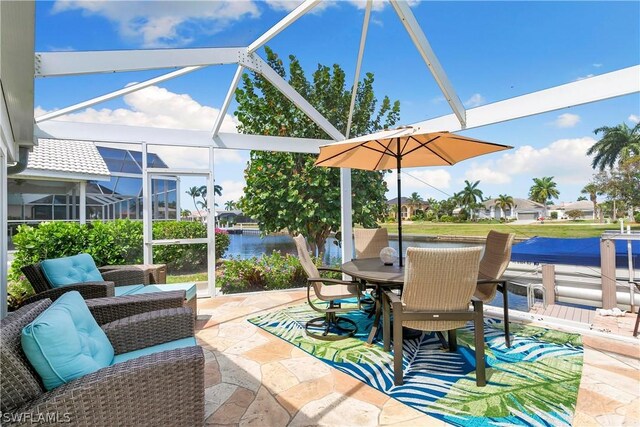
252, 245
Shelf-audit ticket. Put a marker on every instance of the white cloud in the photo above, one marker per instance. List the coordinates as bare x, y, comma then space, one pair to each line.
567, 120
634, 118
158, 107
487, 175
475, 100
165, 23
564, 159
286, 5
597, 65
231, 190
584, 77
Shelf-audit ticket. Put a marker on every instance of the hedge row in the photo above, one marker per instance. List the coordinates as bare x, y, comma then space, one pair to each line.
113, 243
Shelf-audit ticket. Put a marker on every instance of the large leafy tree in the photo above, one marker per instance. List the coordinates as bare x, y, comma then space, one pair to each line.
469, 196
618, 144
285, 191
543, 189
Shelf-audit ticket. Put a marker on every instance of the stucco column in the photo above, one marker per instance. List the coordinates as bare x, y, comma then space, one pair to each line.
83, 202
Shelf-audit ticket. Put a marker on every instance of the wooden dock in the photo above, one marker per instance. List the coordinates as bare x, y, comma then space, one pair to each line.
565, 312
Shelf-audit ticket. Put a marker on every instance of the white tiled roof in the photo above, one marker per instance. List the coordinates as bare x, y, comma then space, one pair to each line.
74, 158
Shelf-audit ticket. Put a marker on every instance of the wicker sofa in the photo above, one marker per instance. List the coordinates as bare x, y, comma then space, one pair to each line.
122, 276
165, 388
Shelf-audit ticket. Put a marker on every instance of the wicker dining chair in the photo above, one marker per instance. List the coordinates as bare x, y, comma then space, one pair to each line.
494, 262
439, 285
370, 241
329, 291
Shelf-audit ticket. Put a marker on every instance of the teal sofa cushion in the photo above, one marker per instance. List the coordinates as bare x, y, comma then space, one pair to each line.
68, 270
189, 288
64, 342
127, 290
181, 343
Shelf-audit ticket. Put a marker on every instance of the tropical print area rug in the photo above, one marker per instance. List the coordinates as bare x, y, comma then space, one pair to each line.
533, 383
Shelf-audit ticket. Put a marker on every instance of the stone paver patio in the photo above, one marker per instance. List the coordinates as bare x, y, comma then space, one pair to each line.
254, 378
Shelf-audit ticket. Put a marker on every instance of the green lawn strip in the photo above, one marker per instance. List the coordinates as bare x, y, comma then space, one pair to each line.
183, 278
564, 229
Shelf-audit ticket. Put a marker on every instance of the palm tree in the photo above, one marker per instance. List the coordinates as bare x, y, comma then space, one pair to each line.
195, 192
617, 144
592, 190
543, 189
217, 190
229, 205
469, 196
504, 201
184, 213
415, 201
434, 206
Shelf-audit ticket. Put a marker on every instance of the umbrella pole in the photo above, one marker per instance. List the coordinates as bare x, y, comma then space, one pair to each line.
399, 164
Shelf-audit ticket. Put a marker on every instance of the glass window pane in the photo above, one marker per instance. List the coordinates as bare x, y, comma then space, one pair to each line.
60, 212
42, 212
61, 200
129, 186
129, 166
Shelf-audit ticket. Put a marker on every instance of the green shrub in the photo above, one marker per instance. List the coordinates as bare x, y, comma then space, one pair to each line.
109, 243
446, 218
637, 217
269, 272
554, 215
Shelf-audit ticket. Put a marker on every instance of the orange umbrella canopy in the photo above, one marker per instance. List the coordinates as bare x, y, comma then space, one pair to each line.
408, 147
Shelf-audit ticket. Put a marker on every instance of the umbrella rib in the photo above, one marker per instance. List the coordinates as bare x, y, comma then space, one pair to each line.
477, 141
349, 149
387, 151
425, 145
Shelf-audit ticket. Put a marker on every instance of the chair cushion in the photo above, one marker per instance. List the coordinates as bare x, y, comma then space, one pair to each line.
65, 342
127, 290
73, 269
181, 343
189, 288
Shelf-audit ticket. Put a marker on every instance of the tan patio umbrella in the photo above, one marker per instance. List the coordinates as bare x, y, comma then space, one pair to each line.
403, 147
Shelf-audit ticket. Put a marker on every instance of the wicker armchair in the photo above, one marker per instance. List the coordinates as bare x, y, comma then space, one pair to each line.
494, 262
370, 241
329, 291
439, 285
119, 277
165, 388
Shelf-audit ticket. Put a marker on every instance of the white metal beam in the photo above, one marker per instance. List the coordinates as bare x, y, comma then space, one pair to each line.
117, 93
227, 101
346, 206
211, 226
284, 23
598, 88
49, 64
83, 202
4, 234
100, 132
257, 64
428, 55
356, 78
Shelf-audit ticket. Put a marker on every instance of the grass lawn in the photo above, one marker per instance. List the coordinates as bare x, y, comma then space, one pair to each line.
196, 277
548, 229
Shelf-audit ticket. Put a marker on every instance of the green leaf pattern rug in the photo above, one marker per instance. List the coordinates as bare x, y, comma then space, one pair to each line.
533, 383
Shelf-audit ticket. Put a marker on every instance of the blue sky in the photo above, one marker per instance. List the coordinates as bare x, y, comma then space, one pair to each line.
489, 50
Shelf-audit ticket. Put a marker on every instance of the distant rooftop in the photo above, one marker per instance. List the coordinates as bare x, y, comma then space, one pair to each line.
68, 159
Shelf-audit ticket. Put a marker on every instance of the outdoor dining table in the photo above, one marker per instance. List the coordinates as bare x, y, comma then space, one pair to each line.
376, 275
